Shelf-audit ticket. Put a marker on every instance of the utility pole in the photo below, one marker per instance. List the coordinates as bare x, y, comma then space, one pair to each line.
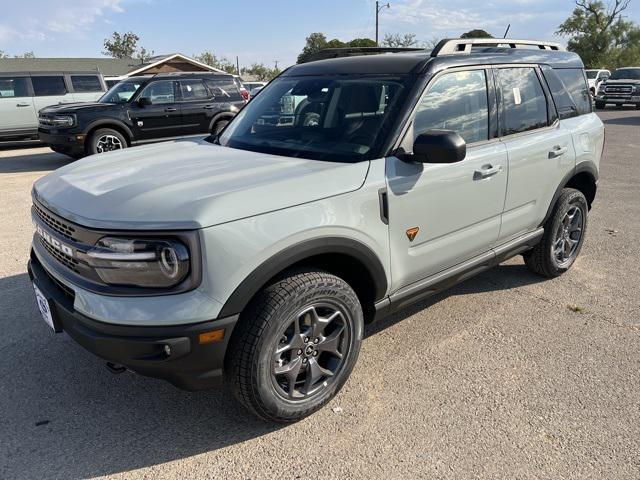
237, 65
276, 62
378, 8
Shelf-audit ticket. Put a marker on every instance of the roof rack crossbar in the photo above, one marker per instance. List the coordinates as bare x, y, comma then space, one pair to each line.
457, 46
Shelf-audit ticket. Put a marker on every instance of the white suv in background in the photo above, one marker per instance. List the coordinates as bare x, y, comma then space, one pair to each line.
22, 95
595, 77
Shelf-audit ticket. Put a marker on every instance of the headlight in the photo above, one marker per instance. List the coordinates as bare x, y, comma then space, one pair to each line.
58, 121
156, 263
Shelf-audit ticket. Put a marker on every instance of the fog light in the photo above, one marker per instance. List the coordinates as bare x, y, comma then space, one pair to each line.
212, 336
167, 350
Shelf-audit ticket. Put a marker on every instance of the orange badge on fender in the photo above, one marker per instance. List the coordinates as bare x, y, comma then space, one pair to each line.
412, 232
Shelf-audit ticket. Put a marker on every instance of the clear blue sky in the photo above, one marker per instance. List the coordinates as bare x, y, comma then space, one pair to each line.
259, 31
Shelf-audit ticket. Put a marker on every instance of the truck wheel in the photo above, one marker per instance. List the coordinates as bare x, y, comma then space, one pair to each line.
295, 345
106, 140
563, 236
218, 126
600, 105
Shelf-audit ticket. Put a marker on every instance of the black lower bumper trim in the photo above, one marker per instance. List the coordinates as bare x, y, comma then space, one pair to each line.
170, 353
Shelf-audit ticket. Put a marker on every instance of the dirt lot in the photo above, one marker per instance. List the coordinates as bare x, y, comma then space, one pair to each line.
504, 376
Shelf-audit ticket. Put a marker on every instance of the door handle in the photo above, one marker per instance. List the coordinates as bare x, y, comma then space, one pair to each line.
486, 171
169, 109
23, 105
557, 151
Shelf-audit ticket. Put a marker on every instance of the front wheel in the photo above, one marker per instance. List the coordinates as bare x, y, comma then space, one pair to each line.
600, 105
295, 345
219, 126
106, 140
563, 236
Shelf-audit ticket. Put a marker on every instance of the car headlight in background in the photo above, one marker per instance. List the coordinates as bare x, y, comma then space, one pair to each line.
59, 121
154, 263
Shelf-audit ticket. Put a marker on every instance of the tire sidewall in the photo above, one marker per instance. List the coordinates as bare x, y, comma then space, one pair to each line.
271, 400
104, 131
569, 199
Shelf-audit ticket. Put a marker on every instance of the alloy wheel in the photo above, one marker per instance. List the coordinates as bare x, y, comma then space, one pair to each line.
567, 238
108, 143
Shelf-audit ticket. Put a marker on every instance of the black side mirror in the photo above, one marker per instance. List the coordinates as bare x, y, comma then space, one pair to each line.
144, 101
439, 146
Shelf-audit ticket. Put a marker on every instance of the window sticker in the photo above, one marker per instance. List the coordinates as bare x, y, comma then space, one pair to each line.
517, 99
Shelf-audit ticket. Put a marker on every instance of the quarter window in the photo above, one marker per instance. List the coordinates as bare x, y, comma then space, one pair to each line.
86, 83
159, 92
524, 105
223, 89
14, 87
193, 90
456, 101
564, 103
48, 85
576, 85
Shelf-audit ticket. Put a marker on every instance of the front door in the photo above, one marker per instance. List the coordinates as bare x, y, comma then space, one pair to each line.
17, 109
159, 118
197, 107
457, 206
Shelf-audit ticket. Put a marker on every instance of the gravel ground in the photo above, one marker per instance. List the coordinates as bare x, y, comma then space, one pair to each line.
503, 376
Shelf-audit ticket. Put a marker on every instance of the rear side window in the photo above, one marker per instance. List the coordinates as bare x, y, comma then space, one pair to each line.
86, 83
223, 89
193, 90
576, 85
456, 101
47, 85
561, 97
159, 92
14, 87
524, 105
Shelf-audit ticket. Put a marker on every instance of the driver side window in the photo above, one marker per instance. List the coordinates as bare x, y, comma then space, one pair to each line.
456, 101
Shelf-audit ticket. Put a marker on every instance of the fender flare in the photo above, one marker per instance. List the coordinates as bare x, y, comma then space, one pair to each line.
106, 122
586, 167
297, 253
220, 116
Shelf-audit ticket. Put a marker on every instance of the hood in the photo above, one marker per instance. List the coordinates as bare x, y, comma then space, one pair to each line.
188, 184
76, 107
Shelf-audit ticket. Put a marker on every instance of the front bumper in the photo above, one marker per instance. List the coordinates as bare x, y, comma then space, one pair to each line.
190, 366
63, 142
619, 99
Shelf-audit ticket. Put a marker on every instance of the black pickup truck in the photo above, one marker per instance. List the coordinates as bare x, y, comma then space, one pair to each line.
621, 88
142, 110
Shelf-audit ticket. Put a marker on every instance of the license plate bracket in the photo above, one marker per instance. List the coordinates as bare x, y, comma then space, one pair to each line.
47, 310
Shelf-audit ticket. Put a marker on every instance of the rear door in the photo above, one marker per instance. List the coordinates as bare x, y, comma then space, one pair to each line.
539, 147
197, 106
49, 89
17, 108
162, 117
86, 87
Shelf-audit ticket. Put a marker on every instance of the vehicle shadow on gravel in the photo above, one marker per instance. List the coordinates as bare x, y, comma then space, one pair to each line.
32, 162
64, 415
633, 121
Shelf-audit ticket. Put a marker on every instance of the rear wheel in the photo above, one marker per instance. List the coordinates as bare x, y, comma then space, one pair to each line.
106, 140
563, 236
295, 345
219, 125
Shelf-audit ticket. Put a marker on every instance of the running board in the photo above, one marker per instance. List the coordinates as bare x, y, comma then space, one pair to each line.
433, 284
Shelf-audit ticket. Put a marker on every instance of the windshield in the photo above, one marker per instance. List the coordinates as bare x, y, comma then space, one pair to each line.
121, 92
626, 74
591, 74
341, 118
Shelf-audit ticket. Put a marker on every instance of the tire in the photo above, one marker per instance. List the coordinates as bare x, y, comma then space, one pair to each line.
219, 126
106, 140
266, 350
600, 105
564, 233
637, 106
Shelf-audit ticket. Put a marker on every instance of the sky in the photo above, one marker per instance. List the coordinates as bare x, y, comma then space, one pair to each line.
261, 31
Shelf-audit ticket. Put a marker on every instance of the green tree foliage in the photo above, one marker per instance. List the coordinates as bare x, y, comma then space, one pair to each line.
222, 63
121, 45
476, 33
318, 41
261, 72
600, 35
396, 40
4, 54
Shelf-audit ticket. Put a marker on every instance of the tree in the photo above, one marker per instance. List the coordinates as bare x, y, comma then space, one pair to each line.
314, 43
143, 55
476, 33
121, 45
3, 54
600, 35
361, 42
261, 72
395, 40
222, 63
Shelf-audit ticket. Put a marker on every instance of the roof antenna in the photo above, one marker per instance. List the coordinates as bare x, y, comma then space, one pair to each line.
506, 31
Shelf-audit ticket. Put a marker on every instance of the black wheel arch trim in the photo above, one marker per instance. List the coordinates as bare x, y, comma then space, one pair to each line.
110, 122
585, 167
297, 253
220, 116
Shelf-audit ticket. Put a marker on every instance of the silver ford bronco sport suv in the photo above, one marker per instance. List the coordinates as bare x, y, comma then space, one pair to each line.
348, 189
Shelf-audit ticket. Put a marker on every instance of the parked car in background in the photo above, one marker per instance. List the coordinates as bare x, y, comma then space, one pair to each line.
253, 85
255, 91
595, 77
243, 90
23, 94
347, 190
141, 110
621, 88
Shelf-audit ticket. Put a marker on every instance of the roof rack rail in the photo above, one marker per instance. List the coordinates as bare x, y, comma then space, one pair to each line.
456, 46
356, 51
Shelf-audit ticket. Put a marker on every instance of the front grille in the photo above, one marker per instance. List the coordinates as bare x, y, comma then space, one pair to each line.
62, 228
64, 259
619, 89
